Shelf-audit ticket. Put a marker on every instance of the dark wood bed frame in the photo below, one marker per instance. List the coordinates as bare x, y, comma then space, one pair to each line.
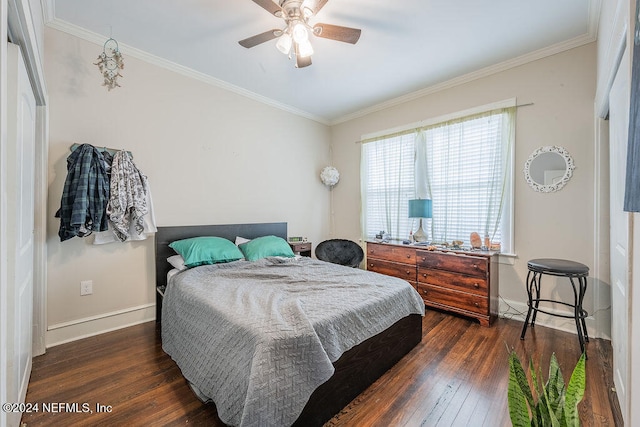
356, 369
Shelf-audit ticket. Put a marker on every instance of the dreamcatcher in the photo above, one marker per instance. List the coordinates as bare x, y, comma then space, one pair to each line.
110, 63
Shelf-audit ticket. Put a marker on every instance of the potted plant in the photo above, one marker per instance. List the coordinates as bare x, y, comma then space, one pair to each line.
550, 405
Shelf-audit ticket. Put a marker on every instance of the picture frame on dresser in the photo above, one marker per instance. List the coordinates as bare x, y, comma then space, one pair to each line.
461, 282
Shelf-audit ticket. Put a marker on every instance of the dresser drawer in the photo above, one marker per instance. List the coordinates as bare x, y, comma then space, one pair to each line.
455, 281
393, 253
403, 271
450, 299
461, 264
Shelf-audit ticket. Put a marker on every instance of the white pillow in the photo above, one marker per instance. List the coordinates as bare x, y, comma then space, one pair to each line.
177, 261
241, 240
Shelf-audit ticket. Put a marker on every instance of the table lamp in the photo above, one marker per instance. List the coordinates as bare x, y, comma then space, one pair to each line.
420, 208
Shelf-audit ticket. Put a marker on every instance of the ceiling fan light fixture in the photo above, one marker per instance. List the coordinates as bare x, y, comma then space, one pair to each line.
284, 43
293, 39
305, 49
306, 12
300, 33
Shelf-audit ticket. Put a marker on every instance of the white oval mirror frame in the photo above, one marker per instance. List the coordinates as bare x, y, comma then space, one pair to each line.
542, 175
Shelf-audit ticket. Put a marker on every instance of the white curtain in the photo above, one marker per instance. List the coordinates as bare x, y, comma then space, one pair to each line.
463, 166
387, 183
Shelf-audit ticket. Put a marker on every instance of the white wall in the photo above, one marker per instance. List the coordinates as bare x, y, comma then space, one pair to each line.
211, 156
559, 225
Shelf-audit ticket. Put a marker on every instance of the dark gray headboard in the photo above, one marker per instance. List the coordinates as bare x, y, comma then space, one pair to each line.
165, 235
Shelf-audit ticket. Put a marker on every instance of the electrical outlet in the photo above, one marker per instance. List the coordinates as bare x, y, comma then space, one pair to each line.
86, 287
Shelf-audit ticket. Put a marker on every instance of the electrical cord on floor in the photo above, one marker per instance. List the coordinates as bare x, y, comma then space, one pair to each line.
599, 310
511, 312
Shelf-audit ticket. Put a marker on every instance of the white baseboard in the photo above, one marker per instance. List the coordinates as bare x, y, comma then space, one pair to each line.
518, 311
61, 333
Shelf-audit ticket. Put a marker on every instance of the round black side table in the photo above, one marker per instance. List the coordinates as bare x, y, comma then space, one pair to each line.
576, 273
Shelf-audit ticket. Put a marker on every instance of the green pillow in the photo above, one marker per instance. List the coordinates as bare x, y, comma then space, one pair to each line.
266, 246
206, 250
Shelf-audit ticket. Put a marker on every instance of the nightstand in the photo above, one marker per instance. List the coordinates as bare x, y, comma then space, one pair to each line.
301, 248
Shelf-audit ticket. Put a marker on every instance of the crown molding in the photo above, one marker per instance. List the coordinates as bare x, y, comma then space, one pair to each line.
474, 75
99, 39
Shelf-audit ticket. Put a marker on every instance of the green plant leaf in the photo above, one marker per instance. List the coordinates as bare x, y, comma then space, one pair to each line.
557, 403
518, 393
575, 393
540, 415
550, 414
555, 388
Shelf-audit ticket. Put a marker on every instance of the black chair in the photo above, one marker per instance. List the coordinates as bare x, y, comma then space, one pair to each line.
340, 251
563, 268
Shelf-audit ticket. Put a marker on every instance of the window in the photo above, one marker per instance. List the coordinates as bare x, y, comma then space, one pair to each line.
463, 165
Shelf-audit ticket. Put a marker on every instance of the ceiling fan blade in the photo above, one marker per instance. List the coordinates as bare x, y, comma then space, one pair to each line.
270, 7
336, 32
260, 38
301, 62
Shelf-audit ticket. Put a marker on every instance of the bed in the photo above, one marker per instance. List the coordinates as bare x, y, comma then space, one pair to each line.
350, 372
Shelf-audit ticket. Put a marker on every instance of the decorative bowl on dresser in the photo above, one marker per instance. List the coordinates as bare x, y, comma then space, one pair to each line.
463, 282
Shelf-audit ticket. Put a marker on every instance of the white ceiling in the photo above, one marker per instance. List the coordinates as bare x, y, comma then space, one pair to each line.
407, 47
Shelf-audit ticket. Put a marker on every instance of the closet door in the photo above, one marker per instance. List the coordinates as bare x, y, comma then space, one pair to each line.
21, 137
621, 227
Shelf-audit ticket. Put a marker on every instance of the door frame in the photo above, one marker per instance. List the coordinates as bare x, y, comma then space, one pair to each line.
16, 24
4, 368
618, 40
21, 30
622, 226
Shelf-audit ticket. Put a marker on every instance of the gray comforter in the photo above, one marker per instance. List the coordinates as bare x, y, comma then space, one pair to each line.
259, 337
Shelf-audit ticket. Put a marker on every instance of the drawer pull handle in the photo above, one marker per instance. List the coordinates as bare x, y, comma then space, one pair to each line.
476, 304
475, 266
424, 274
371, 265
408, 272
475, 285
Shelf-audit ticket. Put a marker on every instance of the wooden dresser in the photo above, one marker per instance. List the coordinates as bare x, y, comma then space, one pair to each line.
393, 260
458, 281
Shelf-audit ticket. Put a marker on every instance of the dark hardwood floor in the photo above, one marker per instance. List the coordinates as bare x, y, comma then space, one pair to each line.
457, 376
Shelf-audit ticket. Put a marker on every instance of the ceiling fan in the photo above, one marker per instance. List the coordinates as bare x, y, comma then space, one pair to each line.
293, 39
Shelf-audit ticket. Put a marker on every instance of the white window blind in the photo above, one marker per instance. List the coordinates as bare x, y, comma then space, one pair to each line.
467, 166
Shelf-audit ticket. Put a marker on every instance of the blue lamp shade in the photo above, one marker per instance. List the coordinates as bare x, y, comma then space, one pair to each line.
420, 208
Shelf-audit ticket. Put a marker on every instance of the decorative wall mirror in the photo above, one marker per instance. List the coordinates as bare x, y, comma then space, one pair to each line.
548, 169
